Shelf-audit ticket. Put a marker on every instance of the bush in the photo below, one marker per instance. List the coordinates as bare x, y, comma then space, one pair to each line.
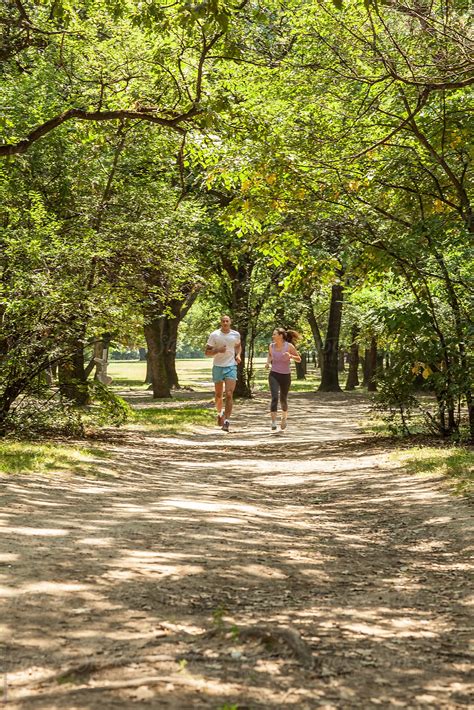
54, 415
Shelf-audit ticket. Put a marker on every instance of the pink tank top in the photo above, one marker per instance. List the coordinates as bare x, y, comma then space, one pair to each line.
279, 363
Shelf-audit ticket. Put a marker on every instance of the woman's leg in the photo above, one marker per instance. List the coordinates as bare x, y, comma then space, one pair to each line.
285, 383
274, 389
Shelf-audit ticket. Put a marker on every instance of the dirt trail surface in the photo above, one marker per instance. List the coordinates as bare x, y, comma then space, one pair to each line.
249, 570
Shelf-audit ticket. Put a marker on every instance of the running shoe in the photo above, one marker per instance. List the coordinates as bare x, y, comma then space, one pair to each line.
226, 425
274, 426
284, 422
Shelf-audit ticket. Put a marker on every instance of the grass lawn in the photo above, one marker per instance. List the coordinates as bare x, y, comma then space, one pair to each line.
196, 373
18, 457
171, 420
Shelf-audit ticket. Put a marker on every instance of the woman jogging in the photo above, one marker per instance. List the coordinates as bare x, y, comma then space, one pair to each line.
281, 352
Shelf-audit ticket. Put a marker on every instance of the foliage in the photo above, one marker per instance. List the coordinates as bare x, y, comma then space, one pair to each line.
37, 417
110, 408
453, 463
256, 155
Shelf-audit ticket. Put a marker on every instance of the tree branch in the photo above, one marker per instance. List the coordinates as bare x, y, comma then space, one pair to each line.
81, 115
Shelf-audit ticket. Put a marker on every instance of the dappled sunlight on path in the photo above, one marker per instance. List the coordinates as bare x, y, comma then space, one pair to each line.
147, 571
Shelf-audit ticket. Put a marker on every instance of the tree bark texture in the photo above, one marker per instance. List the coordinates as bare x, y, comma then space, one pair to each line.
353, 374
330, 374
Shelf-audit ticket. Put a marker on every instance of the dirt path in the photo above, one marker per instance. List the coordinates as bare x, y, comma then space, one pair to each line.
249, 571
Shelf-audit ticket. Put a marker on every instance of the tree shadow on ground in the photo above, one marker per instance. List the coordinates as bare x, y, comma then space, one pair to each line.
147, 575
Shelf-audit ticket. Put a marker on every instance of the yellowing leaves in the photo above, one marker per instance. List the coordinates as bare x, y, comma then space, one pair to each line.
246, 184
456, 141
439, 206
353, 185
271, 179
423, 369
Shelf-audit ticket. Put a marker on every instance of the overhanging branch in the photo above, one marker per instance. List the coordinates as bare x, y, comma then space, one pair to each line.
22, 146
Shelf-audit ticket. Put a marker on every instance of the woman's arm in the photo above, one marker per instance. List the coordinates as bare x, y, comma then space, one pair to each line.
293, 353
269, 357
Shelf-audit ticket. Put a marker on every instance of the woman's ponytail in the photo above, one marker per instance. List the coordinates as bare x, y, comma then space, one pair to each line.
292, 336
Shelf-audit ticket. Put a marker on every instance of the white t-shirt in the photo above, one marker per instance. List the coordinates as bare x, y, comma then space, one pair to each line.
218, 339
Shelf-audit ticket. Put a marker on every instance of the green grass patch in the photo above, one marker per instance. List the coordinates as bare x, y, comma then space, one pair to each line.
17, 457
197, 374
374, 424
124, 383
171, 420
455, 463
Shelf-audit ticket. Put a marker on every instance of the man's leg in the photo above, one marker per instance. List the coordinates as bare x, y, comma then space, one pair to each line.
219, 389
229, 397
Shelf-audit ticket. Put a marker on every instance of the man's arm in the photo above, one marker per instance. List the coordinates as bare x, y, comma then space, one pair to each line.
211, 348
237, 352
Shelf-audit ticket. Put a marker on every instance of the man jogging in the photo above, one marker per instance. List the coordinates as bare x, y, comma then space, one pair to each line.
224, 346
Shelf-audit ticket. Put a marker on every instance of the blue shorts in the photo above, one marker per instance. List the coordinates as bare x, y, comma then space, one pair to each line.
219, 374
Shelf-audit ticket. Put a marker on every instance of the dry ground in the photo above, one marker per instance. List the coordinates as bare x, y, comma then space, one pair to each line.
248, 570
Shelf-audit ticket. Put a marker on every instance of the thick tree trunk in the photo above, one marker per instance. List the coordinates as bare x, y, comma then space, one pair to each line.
162, 336
372, 366
171, 337
156, 355
73, 377
330, 375
353, 374
301, 367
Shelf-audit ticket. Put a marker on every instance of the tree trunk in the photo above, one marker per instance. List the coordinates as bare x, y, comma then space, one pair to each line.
73, 377
156, 356
301, 367
7, 399
148, 370
341, 361
318, 340
161, 336
240, 287
372, 373
366, 367
244, 375
330, 375
171, 337
353, 374
380, 361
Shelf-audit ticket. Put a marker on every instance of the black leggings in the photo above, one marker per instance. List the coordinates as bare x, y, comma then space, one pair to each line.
279, 384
